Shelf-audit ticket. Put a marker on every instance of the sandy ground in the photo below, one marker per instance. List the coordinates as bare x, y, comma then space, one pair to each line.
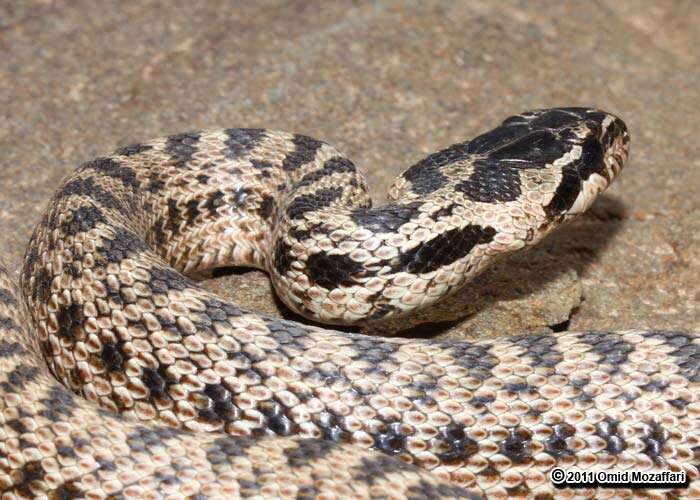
387, 83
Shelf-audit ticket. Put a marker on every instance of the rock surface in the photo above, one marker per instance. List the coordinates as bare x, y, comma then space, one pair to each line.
387, 83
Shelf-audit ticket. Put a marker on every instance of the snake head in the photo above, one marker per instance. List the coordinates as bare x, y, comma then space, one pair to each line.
541, 168
559, 159
598, 145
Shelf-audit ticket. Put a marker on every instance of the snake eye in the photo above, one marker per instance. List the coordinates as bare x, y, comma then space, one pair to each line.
595, 127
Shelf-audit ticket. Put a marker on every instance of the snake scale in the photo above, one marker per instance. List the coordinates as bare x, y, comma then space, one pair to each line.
135, 382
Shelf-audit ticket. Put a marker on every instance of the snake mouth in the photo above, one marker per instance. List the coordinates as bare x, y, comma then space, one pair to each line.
615, 139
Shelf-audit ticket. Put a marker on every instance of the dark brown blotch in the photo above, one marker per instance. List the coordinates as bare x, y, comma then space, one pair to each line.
516, 447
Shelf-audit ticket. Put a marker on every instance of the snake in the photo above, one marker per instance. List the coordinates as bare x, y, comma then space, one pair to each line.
122, 377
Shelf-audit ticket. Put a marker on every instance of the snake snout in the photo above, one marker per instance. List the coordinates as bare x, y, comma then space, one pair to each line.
615, 141
605, 137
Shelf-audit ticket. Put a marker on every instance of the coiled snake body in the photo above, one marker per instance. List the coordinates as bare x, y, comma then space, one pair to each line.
218, 401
